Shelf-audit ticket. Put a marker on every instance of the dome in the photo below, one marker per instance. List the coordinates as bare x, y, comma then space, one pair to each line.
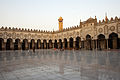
90, 19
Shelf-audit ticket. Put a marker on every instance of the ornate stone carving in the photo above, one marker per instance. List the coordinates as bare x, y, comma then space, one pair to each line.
25, 36
21, 36
112, 28
64, 35
9, 35
4, 35
95, 31
17, 35
29, 36
55, 36
32, 36
77, 33
100, 30
70, 34
14, 35
35, 36
105, 29
1, 35
118, 27
50, 37
39, 36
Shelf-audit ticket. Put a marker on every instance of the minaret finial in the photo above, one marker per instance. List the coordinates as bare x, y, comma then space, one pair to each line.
105, 13
106, 19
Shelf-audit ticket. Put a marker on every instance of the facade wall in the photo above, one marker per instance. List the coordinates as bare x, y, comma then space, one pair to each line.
89, 28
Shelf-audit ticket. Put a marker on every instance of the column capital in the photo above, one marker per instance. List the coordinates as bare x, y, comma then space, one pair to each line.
5, 40
47, 41
41, 41
35, 41
14, 40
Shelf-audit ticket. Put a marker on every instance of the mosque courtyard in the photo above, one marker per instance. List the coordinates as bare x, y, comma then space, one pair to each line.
59, 65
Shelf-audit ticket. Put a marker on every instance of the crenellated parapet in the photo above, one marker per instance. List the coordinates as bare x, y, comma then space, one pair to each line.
108, 21
24, 30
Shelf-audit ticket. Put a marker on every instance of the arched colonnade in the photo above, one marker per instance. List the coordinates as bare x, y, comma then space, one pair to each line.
113, 42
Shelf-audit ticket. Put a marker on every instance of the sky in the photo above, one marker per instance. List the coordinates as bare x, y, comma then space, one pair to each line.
44, 14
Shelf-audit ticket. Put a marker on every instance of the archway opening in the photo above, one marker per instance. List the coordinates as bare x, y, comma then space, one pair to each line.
17, 45
101, 41
55, 44
1, 43
50, 44
113, 41
44, 44
88, 42
60, 44
9, 44
32, 44
71, 42
25, 44
38, 44
65, 43
77, 43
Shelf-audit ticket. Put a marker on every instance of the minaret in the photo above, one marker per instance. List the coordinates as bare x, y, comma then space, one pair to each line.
106, 19
60, 23
80, 23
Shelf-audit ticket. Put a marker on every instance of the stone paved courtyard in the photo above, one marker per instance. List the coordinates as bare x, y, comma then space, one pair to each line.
59, 65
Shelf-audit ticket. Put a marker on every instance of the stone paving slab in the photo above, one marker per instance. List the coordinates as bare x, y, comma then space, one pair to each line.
59, 65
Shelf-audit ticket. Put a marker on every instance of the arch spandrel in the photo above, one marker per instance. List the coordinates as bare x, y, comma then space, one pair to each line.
29, 40
14, 40
106, 29
118, 28
35, 40
41, 40
5, 40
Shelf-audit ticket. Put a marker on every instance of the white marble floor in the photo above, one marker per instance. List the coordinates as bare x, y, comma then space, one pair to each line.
60, 65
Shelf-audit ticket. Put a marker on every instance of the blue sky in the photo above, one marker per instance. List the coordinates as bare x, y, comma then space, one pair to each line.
44, 14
